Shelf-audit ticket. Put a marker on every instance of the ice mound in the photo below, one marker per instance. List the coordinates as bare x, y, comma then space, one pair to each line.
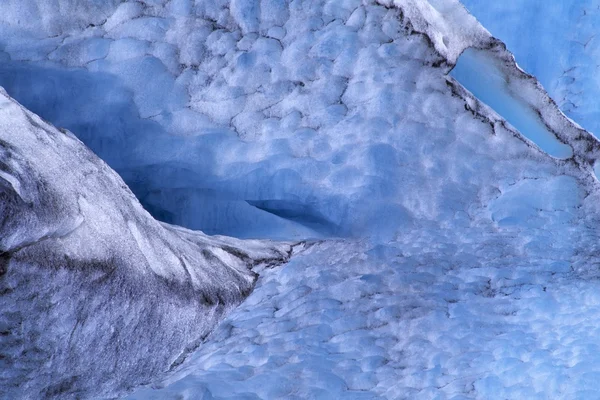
96, 295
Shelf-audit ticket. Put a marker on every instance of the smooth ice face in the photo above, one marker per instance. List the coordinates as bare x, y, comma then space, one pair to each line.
555, 41
481, 73
319, 118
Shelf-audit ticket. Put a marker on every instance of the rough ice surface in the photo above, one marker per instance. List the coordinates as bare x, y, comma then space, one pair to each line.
451, 257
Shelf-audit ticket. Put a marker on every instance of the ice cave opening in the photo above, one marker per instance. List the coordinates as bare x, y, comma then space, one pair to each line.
176, 178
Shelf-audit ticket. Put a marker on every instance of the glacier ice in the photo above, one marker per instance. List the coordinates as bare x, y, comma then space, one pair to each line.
464, 264
479, 72
564, 51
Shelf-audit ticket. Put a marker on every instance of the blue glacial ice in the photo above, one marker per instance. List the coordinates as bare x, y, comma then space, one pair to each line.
563, 53
445, 253
479, 72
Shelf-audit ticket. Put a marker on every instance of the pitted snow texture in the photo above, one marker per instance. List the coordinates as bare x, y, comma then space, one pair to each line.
284, 119
483, 314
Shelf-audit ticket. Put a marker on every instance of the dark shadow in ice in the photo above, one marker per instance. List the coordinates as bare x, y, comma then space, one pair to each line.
174, 177
301, 213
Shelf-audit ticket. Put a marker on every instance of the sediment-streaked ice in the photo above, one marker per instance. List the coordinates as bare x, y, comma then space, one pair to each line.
96, 296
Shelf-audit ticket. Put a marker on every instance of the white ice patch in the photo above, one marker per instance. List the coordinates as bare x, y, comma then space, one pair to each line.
521, 204
446, 22
13, 182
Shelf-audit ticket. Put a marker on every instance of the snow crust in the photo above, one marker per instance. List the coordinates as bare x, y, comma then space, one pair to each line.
469, 266
447, 24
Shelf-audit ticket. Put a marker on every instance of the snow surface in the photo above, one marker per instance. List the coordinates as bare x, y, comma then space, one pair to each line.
465, 259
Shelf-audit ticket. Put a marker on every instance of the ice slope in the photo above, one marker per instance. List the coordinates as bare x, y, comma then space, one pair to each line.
471, 269
95, 295
557, 42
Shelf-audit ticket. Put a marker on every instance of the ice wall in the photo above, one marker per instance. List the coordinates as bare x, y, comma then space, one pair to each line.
284, 120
